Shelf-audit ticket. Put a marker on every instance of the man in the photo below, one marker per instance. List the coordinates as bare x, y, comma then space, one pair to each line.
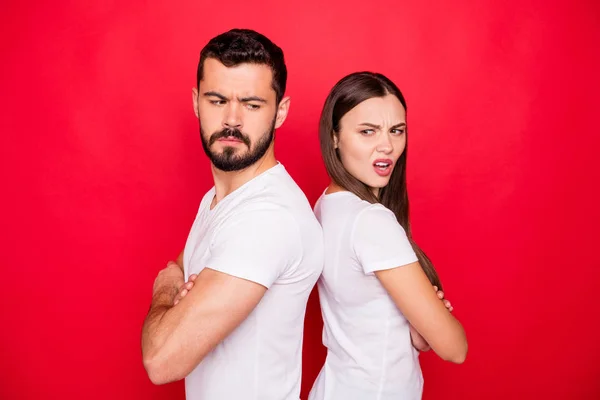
254, 251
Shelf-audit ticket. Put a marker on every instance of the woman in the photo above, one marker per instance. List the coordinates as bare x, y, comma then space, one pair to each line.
377, 283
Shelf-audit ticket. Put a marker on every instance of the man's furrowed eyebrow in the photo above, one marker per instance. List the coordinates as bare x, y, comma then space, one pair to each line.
215, 94
252, 98
242, 99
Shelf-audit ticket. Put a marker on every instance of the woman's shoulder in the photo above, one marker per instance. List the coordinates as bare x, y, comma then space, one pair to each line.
351, 207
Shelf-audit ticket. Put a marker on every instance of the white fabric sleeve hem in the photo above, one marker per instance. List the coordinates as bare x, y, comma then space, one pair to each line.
223, 266
388, 264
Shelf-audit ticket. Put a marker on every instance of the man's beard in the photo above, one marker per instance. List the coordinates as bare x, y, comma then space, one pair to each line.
228, 160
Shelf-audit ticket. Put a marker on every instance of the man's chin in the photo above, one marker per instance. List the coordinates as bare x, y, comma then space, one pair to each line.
230, 162
230, 154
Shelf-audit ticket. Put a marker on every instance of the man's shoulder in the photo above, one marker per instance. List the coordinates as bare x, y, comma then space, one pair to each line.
280, 193
281, 184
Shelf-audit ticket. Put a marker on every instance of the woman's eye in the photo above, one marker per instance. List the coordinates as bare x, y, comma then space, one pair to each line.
367, 132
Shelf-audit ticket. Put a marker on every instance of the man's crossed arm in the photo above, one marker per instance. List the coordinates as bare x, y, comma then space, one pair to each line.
176, 339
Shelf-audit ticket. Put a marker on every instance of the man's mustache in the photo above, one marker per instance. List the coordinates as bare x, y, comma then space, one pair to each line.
225, 133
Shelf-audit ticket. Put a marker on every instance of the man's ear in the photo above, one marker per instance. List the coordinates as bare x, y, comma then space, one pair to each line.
282, 111
195, 101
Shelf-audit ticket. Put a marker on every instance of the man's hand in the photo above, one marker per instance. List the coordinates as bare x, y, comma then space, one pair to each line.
168, 280
185, 288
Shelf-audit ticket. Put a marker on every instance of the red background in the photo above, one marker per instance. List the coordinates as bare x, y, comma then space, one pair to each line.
102, 172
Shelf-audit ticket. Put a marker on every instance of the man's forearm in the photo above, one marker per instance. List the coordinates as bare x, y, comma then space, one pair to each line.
152, 335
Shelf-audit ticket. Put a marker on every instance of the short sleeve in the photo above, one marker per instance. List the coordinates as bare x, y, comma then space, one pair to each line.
379, 241
258, 246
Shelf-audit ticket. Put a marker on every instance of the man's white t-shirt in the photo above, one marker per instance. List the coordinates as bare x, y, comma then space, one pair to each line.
369, 351
264, 232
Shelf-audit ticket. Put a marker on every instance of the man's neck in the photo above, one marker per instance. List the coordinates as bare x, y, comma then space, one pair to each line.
227, 182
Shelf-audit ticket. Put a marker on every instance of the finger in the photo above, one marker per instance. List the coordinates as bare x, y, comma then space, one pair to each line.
447, 304
440, 294
193, 277
451, 309
435, 288
187, 285
182, 292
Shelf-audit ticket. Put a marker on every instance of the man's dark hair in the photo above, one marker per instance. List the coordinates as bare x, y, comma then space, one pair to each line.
239, 46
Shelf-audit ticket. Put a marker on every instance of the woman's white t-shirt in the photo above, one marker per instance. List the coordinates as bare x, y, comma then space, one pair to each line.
369, 351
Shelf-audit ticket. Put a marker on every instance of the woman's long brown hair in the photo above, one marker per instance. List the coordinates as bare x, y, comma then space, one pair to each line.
349, 92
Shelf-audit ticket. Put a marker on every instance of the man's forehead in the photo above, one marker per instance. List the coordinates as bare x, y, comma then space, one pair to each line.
246, 78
